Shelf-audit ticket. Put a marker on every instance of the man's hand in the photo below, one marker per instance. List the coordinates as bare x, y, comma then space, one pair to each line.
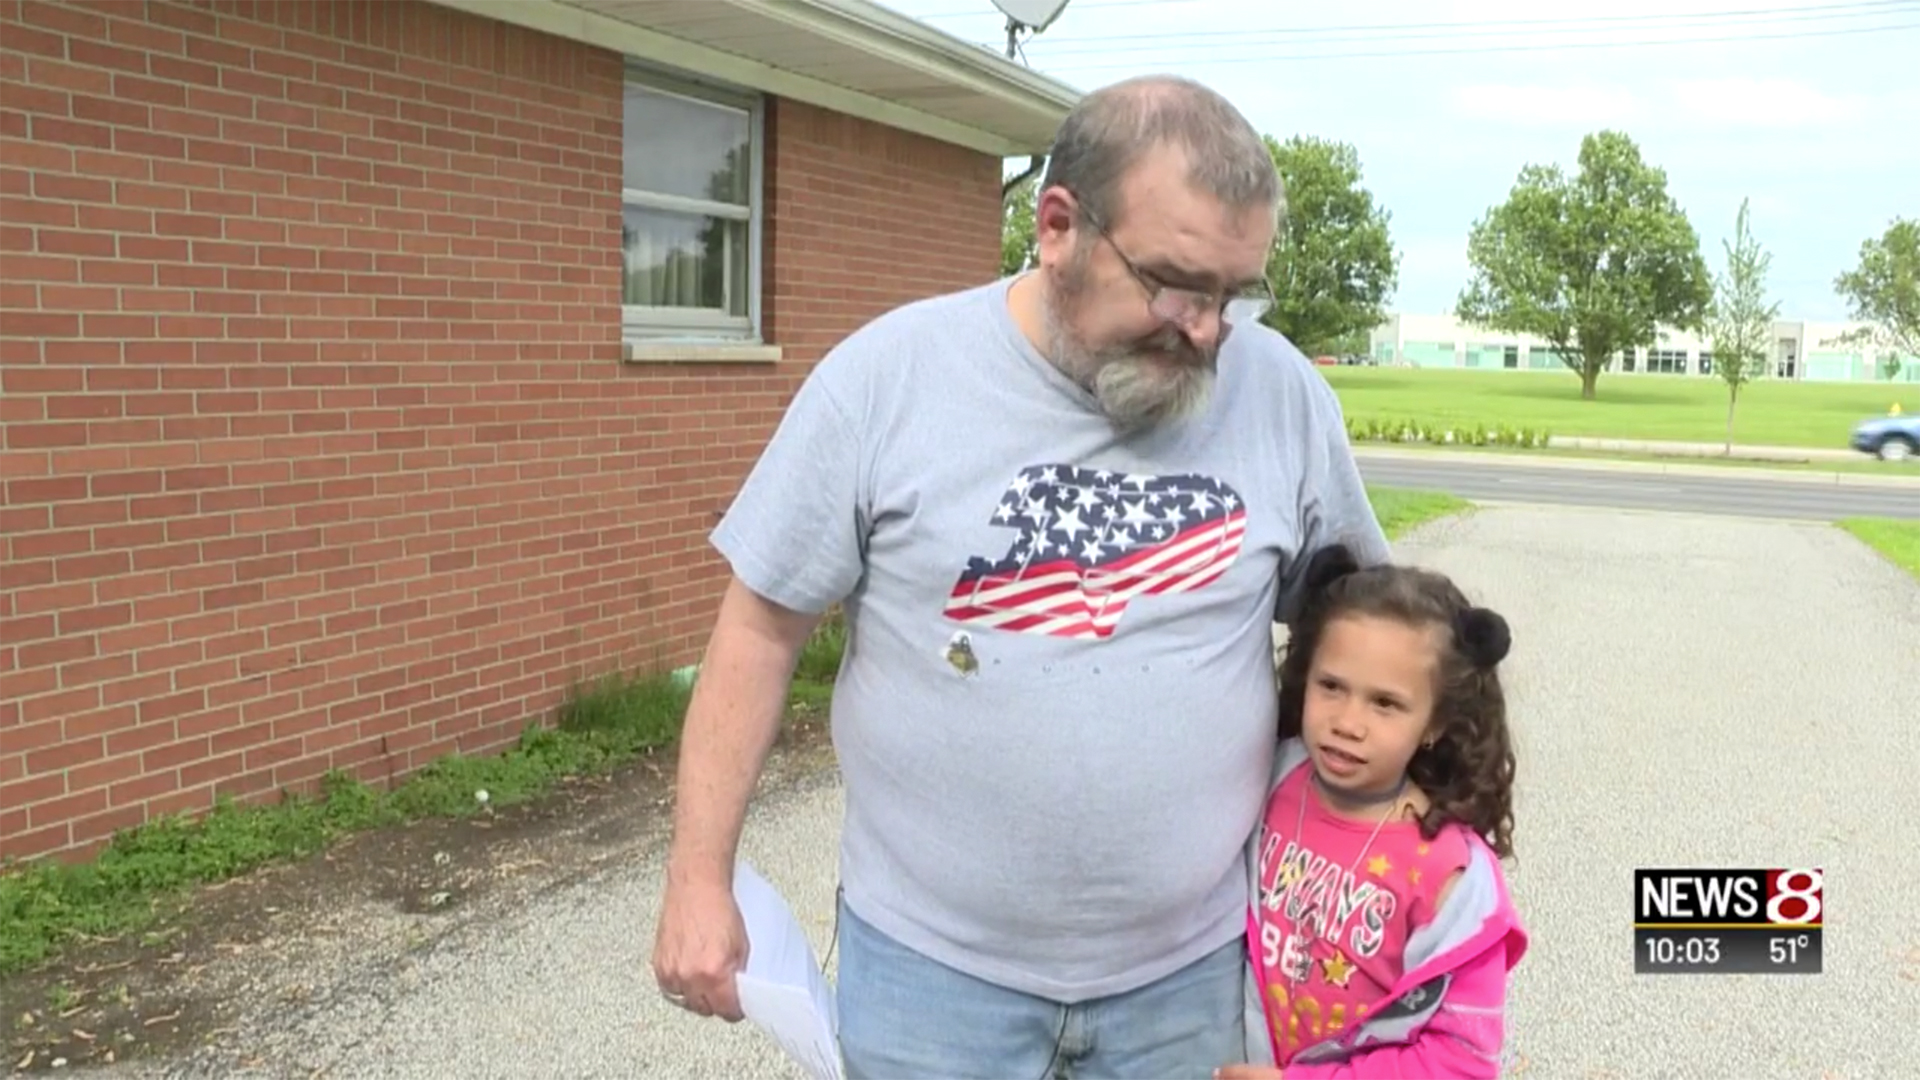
1247, 1072
700, 945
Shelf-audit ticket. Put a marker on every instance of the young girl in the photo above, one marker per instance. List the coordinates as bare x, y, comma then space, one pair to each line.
1381, 930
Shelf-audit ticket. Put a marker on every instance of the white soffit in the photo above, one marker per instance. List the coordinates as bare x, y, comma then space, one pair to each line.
851, 56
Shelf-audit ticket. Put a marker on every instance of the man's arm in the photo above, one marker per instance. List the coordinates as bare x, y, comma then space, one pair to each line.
1334, 508
795, 537
738, 702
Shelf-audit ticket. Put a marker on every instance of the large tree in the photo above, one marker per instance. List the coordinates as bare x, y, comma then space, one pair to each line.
1884, 291
1333, 266
1740, 322
1592, 263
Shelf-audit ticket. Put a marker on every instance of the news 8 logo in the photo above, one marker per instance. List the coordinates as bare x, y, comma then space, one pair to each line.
1667, 897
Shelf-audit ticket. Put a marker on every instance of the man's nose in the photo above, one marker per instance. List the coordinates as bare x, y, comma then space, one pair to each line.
1203, 327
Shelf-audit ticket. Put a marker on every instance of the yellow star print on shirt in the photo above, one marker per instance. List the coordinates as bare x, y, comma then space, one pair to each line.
1378, 866
1336, 969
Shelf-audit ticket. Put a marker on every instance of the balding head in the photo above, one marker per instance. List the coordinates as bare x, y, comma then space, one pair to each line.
1114, 127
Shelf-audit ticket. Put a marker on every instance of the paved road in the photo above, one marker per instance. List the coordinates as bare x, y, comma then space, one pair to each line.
1686, 690
1701, 489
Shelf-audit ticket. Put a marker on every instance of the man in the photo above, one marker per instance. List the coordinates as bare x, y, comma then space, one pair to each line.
1061, 512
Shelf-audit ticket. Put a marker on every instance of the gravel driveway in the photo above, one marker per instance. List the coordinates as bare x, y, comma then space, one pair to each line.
1688, 691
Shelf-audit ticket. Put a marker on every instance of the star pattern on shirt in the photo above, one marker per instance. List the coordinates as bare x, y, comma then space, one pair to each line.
1378, 866
1336, 969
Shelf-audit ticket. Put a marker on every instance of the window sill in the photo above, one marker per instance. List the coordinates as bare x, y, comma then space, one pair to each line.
700, 352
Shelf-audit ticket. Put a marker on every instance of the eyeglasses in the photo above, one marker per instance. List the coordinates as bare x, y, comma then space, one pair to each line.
1171, 303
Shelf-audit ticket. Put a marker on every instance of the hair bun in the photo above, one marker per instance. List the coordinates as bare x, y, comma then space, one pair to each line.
1483, 636
1328, 565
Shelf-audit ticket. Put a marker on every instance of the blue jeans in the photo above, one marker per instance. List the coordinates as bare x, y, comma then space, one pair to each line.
906, 1017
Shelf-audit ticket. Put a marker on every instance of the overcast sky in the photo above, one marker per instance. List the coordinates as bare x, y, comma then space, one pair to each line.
1811, 109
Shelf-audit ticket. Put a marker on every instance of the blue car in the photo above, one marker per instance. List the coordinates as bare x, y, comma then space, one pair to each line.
1889, 438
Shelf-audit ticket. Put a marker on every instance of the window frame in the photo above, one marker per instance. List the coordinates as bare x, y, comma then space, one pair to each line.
641, 324
1667, 361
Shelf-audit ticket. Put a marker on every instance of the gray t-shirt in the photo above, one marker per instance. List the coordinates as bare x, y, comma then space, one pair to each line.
1054, 743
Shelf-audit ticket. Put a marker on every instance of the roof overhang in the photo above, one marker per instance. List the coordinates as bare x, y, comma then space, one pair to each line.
850, 56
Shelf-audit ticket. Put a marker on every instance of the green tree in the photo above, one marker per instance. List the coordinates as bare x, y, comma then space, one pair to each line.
1333, 265
1884, 291
1017, 245
1593, 263
1740, 320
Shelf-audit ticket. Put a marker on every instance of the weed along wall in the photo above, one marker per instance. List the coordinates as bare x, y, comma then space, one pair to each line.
321, 448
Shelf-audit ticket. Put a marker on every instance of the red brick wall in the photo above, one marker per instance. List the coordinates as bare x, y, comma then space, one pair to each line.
318, 448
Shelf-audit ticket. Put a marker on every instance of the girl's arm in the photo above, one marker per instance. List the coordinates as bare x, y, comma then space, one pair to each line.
1462, 1041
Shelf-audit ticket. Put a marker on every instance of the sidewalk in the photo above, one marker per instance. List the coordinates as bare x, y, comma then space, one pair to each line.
1699, 449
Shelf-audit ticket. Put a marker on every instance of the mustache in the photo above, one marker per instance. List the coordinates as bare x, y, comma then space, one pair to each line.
1172, 345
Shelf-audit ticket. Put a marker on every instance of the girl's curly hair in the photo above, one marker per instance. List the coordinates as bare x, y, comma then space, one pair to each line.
1468, 771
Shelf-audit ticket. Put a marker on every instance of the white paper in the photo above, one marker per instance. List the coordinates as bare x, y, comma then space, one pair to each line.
783, 990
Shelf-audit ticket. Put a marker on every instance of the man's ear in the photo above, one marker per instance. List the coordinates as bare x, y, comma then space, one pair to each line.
1056, 225
1054, 211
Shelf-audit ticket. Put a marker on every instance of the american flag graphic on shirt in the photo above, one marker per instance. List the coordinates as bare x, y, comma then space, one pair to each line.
1089, 541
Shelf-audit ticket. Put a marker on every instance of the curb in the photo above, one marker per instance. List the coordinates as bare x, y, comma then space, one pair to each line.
1677, 449
1835, 479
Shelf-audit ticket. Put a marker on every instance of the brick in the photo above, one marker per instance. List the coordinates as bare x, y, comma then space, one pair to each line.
102, 826
21, 842
38, 789
318, 447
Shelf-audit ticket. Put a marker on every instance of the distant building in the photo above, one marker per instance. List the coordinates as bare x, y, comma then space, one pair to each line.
1805, 351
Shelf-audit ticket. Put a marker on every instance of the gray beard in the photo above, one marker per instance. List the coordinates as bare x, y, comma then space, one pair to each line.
1134, 389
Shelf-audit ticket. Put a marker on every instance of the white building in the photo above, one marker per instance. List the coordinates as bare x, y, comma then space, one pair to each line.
1810, 351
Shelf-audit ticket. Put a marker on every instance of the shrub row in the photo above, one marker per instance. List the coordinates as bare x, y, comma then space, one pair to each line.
1377, 430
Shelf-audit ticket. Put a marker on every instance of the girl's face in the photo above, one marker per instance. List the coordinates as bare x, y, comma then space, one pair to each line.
1369, 701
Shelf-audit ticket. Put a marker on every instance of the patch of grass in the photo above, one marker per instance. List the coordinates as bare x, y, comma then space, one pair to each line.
819, 663
820, 659
145, 872
1660, 407
1898, 540
1401, 509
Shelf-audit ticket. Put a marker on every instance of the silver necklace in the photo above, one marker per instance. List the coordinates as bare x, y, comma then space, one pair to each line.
1291, 871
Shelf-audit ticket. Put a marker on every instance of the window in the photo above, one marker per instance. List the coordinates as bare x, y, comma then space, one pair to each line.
1511, 358
1706, 363
1626, 359
1667, 361
690, 211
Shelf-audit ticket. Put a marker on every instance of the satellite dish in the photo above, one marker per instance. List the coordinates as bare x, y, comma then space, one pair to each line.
1031, 15
1035, 15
